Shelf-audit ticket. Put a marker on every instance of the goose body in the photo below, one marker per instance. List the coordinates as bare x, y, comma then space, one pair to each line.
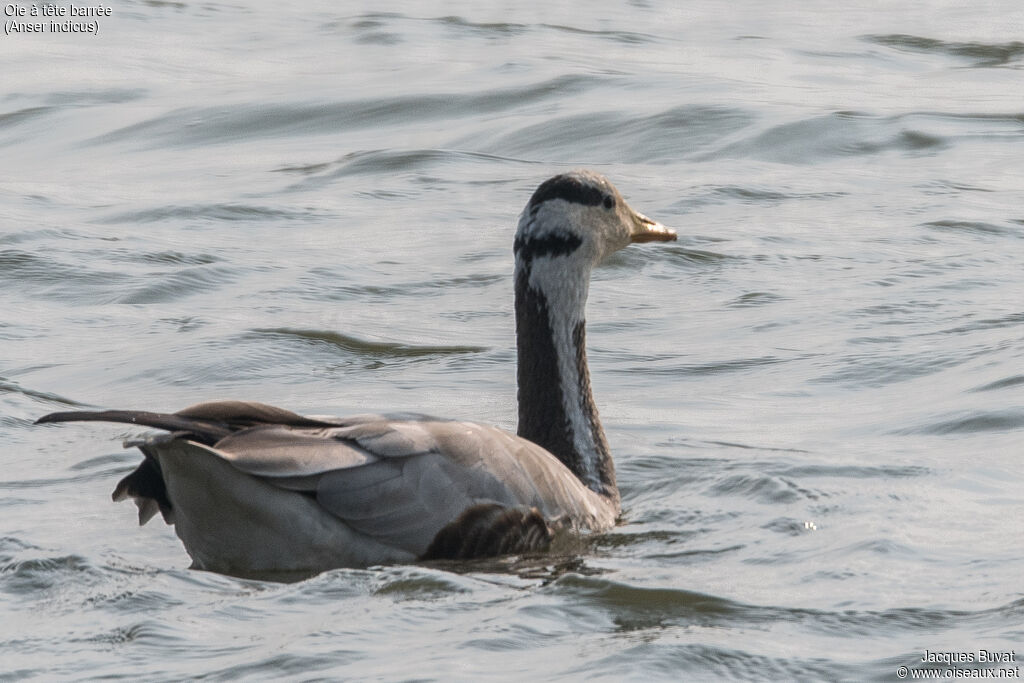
254, 489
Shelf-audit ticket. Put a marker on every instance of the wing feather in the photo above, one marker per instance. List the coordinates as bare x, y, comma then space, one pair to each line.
280, 451
403, 502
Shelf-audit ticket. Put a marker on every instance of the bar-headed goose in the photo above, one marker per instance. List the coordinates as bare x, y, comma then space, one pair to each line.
253, 489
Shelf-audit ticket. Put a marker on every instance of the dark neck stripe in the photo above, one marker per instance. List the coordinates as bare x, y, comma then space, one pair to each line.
542, 417
542, 411
569, 188
554, 243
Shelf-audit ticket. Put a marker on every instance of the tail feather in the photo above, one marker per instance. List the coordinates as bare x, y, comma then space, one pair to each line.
145, 485
204, 431
205, 423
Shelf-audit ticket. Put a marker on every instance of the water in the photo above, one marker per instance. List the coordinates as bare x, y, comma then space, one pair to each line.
815, 397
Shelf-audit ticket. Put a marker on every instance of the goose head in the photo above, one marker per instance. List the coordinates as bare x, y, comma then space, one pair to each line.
581, 215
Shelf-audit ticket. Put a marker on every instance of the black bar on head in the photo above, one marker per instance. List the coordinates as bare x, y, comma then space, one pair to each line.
554, 243
568, 187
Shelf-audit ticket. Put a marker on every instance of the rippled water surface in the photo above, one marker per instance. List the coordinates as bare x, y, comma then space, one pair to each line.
815, 397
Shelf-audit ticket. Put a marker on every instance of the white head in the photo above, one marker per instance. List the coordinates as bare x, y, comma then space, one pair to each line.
580, 212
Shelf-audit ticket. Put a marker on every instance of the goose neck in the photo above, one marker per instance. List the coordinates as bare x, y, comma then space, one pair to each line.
556, 406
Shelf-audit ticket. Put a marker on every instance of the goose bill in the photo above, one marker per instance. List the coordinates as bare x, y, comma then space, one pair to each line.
646, 230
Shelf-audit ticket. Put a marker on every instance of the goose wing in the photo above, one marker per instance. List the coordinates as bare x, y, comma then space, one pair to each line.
402, 479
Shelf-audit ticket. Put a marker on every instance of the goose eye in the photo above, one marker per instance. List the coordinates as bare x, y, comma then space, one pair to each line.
609, 201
